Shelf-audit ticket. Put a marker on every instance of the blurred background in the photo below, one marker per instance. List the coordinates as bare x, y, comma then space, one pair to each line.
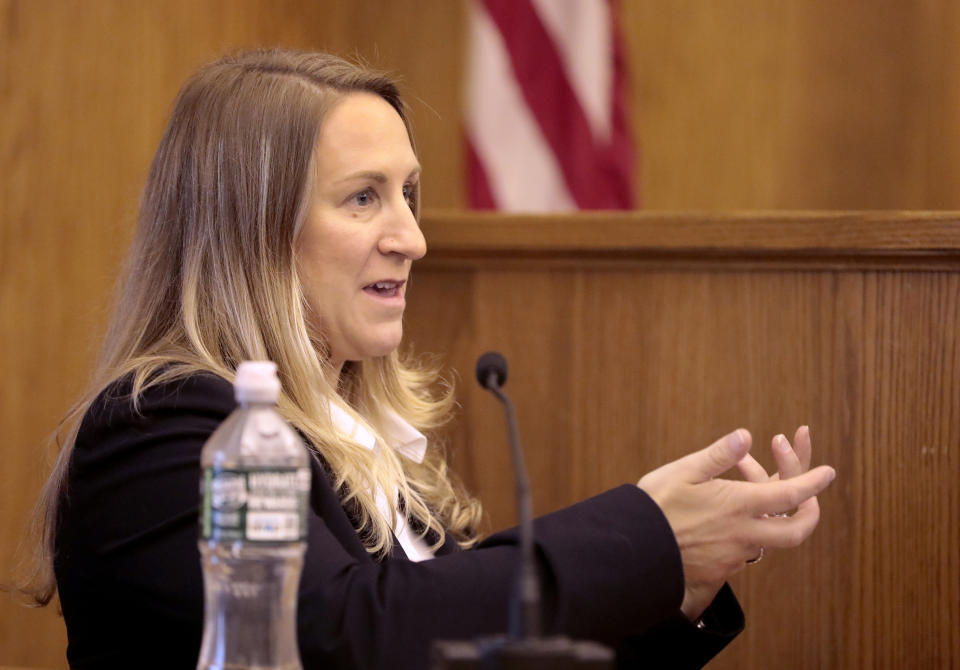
732, 106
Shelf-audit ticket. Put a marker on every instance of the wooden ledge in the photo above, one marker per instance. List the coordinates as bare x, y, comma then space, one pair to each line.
921, 240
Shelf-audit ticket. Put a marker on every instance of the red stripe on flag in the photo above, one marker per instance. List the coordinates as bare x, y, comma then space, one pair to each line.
479, 193
620, 158
542, 78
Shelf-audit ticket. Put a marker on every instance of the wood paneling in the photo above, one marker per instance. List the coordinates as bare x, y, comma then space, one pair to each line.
828, 105
619, 364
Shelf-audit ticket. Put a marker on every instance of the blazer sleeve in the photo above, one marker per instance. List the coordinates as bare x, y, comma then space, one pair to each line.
609, 570
130, 579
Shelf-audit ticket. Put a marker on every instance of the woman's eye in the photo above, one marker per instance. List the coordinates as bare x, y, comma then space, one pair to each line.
363, 199
410, 195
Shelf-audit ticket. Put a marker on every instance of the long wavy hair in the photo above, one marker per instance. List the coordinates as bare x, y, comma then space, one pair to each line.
211, 280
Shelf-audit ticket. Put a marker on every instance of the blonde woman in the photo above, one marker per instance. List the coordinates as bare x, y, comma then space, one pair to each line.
280, 221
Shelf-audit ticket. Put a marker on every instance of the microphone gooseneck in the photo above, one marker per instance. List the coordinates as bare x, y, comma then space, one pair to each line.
525, 604
523, 647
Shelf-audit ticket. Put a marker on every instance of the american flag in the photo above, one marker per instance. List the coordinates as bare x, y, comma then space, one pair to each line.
546, 117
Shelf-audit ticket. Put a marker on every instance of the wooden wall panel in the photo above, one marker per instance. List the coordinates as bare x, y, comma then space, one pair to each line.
621, 363
759, 104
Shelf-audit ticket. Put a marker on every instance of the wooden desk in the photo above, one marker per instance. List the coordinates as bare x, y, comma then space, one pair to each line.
636, 338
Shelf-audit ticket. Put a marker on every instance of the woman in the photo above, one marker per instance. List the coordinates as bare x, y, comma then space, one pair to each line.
279, 221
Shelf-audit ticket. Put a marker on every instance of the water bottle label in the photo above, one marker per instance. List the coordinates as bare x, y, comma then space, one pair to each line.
255, 505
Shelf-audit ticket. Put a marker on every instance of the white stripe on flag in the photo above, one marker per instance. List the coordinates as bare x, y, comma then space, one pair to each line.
521, 169
581, 31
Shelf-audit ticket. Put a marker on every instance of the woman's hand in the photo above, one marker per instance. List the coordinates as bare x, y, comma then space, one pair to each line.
719, 524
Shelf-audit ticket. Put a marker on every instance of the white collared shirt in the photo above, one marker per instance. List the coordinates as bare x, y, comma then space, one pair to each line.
408, 442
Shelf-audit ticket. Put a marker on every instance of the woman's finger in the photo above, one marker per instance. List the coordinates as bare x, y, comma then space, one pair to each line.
785, 532
776, 497
788, 461
703, 465
751, 470
802, 446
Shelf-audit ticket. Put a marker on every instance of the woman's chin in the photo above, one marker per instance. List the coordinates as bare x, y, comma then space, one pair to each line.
374, 349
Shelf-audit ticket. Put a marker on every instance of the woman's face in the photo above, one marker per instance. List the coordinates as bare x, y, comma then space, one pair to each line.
360, 235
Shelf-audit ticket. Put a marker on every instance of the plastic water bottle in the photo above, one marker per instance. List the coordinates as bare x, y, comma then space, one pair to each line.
255, 491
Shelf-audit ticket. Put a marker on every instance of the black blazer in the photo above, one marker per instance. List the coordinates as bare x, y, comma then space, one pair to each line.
131, 586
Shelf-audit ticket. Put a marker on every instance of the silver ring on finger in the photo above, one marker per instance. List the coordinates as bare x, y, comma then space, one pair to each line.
757, 558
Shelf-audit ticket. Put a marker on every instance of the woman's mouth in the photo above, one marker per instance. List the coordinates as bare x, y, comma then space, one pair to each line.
388, 288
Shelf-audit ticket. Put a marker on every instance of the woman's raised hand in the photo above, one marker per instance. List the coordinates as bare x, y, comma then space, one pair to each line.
720, 524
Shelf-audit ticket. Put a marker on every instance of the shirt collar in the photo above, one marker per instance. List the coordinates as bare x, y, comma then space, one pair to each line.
398, 434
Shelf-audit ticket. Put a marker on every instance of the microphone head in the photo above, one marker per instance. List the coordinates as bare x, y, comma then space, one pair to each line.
492, 363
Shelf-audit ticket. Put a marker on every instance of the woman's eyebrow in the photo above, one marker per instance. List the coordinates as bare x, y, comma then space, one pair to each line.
374, 175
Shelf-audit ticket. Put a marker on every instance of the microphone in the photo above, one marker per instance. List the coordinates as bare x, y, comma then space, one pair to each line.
524, 620
523, 648
492, 363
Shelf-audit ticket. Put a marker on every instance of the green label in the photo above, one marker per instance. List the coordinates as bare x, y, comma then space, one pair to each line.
255, 504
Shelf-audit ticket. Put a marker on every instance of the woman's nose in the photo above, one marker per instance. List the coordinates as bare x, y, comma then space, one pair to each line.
403, 235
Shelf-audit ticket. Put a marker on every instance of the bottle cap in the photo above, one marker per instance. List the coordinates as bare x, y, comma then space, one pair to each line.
256, 381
